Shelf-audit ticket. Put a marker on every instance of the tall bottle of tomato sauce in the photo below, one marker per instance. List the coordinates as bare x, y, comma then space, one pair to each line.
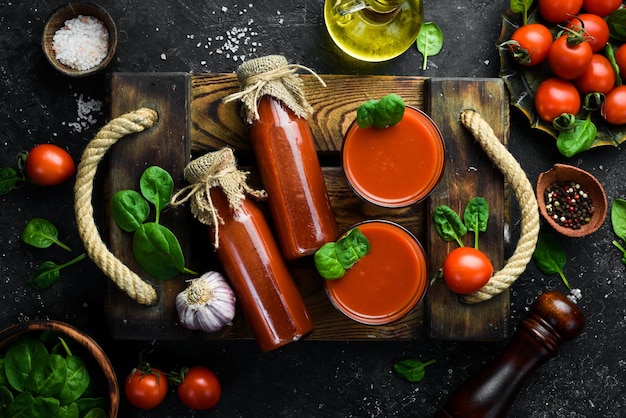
276, 110
246, 249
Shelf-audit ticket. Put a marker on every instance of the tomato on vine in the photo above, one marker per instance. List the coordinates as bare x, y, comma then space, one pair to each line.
569, 56
145, 387
558, 11
614, 107
598, 78
556, 96
593, 28
620, 59
198, 387
530, 44
601, 8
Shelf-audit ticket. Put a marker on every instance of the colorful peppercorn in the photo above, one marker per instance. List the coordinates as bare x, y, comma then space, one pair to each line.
569, 204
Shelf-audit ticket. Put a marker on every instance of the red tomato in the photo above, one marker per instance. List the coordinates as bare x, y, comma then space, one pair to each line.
595, 28
614, 107
200, 388
556, 96
558, 11
466, 269
146, 389
531, 44
599, 77
569, 60
49, 165
620, 59
601, 7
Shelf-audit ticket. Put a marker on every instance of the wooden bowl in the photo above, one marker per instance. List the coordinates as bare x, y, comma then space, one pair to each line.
93, 355
566, 173
57, 20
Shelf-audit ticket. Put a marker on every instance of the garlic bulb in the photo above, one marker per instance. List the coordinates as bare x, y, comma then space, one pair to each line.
207, 304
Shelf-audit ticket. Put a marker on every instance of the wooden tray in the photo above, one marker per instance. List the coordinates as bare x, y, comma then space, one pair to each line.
193, 120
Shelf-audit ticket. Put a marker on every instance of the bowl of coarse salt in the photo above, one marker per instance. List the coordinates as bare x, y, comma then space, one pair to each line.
79, 39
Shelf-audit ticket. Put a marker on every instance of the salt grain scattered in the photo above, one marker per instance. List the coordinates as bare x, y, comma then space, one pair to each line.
82, 43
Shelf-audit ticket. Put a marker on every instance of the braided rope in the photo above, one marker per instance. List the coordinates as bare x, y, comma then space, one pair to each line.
96, 249
524, 194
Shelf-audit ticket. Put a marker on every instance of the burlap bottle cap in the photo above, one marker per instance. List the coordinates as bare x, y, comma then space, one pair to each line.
271, 76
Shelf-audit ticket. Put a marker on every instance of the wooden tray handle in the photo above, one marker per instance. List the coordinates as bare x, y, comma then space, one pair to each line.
96, 249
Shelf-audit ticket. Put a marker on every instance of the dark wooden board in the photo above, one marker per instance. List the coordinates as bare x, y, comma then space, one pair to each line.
213, 124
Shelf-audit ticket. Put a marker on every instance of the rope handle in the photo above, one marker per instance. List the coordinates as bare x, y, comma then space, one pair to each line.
96, 249
525, 195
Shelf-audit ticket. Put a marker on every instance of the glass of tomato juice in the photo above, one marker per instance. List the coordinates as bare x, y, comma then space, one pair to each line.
388, 282
396, 166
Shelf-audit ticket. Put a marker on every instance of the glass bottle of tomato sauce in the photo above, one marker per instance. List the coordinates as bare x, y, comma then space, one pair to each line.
246, 248
276, 110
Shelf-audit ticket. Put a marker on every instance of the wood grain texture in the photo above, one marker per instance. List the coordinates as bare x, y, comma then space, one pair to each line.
213, 124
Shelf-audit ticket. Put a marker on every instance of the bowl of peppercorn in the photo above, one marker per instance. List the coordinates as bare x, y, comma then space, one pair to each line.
79, 39
571, 200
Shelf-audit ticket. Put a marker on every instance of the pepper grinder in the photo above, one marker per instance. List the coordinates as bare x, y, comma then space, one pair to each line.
491, 392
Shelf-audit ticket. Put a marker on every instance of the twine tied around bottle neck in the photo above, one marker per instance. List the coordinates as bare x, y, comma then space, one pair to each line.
214, 169
271, 76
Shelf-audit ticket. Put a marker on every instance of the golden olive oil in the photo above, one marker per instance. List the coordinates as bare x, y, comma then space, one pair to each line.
378, 32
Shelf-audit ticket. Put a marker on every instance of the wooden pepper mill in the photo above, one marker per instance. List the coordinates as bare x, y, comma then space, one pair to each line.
491, 392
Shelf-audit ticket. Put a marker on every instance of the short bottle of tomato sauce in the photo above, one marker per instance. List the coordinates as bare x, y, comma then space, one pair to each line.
246, 248
283, 145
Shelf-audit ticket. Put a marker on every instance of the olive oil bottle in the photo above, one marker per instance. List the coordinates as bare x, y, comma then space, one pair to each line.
373, 30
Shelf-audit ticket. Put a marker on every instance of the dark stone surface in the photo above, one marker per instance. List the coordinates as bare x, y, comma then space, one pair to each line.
351, 379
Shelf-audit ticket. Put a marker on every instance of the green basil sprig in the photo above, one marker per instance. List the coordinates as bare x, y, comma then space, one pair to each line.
550, 256
334, 258
387, 111
429, 41
522, 7
155, 247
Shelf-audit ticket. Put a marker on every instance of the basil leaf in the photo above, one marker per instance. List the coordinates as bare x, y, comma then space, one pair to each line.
327, 262
617, 25
364, 114
412, 370
578, 139
42, 233
129, 209
385, 112
448, 224
351, 247
157, 251
157, 186
429, 41
550, 256
521, 6
618, 218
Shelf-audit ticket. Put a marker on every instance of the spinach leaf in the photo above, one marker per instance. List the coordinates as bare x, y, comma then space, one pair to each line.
67, 411
327, 263
27, 406
412, 370
158, 251
129, 209
42, 233
429, 41
8, 180
387, 111
351, 247
578, 138
618, 221
48, 273
617, 25
47, 376
550, 256
95, 413
6, 397
76, 382
476, 216
448, 224
86, 404
157, 186
20, 358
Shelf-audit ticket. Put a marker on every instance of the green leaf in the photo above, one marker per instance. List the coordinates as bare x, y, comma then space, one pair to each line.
20, 359
47, 377
352, 247
48, 273
129, 209
157, 186
95, 413
412, 370
67, 411
8, 180
577, 139
617, 25
476, 217
327, 262
42, 233
521, 7
550, 256
27, 406
387, 111
429, 41
76, 382
618, 217
6, 398
157, 251
448, 224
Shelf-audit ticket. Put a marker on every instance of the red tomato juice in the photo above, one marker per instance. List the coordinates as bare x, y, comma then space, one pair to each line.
395, 166
388, 282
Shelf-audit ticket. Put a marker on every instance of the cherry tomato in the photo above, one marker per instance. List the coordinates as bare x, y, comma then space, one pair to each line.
567, 59
49, 165
531, 44
556, 96
466, 269
146, 389
601, 7
594, 28
558, 11
200, 388
620, 59
599, 77
614, 107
